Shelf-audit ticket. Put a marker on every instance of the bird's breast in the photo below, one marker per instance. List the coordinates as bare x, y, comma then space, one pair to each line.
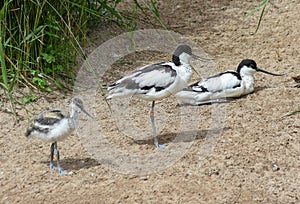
248, 84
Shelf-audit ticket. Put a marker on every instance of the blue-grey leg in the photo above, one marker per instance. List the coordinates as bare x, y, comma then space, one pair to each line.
51, 156
59, 169
159, 146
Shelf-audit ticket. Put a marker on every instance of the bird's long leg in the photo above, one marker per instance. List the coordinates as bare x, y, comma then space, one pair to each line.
59, 169
51, 156
159, 146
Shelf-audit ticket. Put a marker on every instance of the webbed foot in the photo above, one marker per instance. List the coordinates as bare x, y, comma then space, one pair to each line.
52, 167
160, 146
61, 171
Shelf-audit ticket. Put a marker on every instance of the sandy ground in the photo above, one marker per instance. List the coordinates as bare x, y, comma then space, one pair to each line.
252, 155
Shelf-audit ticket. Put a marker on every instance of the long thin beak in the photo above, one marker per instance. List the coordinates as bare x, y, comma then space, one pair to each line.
200, 58
83, 110
264, 71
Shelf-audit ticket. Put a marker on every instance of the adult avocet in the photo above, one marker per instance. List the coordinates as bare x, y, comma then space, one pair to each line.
221, 87
156, 81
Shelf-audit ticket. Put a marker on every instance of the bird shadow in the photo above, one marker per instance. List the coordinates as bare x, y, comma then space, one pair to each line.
259, 88
184, 136
71, 164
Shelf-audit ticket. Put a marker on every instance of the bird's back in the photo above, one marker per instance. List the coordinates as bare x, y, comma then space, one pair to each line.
221, 82
149, 82
50, 126
226, 84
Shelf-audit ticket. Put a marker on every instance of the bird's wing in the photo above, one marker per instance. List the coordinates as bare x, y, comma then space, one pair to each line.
158, 76
218, 83
50, 117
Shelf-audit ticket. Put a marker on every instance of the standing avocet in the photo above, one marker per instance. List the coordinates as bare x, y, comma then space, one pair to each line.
156, 81
229, 84
53, 126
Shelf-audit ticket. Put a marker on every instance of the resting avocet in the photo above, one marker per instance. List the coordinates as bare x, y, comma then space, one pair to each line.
53, 126
229, 84
156, 81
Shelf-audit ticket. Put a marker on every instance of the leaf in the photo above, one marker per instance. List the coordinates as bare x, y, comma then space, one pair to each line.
37, 33
154, 9
49, 89
86, 9
33, 72
291, 113
28, 99
260, 18
58, 85
3, 64
12, 84
52, 35
4, 86
262, 4
112, 10
57, 28
3, 10
49, 58
39, 82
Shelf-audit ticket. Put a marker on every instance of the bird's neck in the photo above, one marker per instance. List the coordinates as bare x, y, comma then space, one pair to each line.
73, 120
183, 59
248, 80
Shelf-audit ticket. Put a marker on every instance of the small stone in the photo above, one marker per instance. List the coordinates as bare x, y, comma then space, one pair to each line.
228, 157
189, 174
275, 167
37, 190
144, 178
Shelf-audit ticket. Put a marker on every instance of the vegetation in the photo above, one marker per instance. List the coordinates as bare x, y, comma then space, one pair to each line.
262, 6
40, 40
291, 113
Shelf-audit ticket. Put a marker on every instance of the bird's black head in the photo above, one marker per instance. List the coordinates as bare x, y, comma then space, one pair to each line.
183, 48
250, 67
179, 50
76, 102
248, 63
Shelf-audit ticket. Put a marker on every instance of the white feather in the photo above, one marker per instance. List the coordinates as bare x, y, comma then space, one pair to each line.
57, 132
225, 85
161, 77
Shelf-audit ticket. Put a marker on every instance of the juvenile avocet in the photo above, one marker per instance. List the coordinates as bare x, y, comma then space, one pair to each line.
156, 81
229, 84
53, 126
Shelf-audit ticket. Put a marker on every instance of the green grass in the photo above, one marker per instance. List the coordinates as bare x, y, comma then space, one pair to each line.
262, 6
41, 39
291, 113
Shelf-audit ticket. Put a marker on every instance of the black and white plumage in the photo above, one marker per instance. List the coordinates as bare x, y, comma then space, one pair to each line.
54, 125
156, 81
229, 84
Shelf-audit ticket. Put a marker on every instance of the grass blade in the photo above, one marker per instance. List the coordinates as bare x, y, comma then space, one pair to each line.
261, 5
291, 113
260, 18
